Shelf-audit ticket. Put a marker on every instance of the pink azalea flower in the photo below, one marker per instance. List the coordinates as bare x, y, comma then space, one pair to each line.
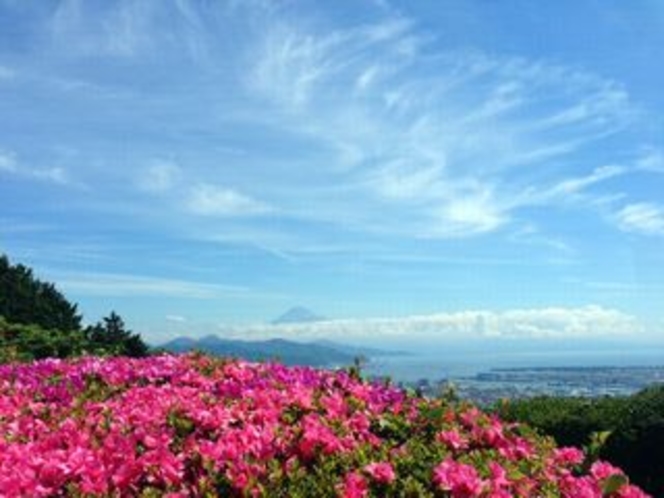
354, 486
630, 491
498, 476
460, 479
182, 424
568, 456
602, 470
381, 472
452, 439
581, 487
499, 493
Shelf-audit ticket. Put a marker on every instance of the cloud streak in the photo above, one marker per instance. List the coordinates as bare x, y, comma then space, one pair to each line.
6, 73
347, 153
455, 148
9, 164
644, 218
121, 30
159, 177
213, 200
384, 130
124, 285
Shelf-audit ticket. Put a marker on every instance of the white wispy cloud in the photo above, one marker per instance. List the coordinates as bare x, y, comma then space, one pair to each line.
553, 322
55, 174
193, 197
571, 189
52, 174
432, 152
591, 109
652, 160
6, 73
119, 285
8, 162
293, 64
125, 29
643, 217
622, 287
393, 134
16, 226
575, 185
531, 235
159, 177
213, 200
119, 30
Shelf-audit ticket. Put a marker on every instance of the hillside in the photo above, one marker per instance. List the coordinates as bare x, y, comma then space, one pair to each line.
197, 426
287, 352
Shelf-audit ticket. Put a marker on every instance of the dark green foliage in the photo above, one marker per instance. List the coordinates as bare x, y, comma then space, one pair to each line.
570, 421
111, 337
20, 342
637, 443
635, 426
37, 321
25, 299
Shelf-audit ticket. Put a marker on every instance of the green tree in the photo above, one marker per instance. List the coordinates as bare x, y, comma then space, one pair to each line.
20, 342
637, 443
111, 337
633, 427
27, 300
37, 321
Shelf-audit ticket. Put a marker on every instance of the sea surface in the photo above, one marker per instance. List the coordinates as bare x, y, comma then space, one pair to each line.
455, 364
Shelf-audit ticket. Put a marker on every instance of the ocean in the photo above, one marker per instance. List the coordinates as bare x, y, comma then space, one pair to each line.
460, 364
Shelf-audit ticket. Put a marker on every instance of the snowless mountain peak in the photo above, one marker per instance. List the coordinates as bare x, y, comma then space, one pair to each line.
297, 314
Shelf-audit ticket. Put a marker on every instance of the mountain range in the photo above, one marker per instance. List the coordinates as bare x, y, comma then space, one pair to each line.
282, 350
320, 353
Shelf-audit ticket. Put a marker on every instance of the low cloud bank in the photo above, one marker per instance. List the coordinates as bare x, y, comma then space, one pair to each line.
554, 322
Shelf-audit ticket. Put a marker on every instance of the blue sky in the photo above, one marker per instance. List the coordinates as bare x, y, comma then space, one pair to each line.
462, 167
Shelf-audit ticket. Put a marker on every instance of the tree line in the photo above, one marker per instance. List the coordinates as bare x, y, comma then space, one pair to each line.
37, 321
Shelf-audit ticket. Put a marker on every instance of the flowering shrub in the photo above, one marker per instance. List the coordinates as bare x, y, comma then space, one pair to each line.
179, 426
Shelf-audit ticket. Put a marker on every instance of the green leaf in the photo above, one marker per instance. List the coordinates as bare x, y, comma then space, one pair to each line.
613, 483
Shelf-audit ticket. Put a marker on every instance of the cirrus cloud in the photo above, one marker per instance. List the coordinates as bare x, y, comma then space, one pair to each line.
456, 145
160, 176
643, 217
122, 285
213, 200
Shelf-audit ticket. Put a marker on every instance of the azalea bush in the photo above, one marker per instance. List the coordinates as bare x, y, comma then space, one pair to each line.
192, 425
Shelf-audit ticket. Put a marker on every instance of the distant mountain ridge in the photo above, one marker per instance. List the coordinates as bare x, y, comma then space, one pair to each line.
282, 350
318, 353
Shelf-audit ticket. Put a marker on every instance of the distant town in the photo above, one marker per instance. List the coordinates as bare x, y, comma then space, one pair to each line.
494, 385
